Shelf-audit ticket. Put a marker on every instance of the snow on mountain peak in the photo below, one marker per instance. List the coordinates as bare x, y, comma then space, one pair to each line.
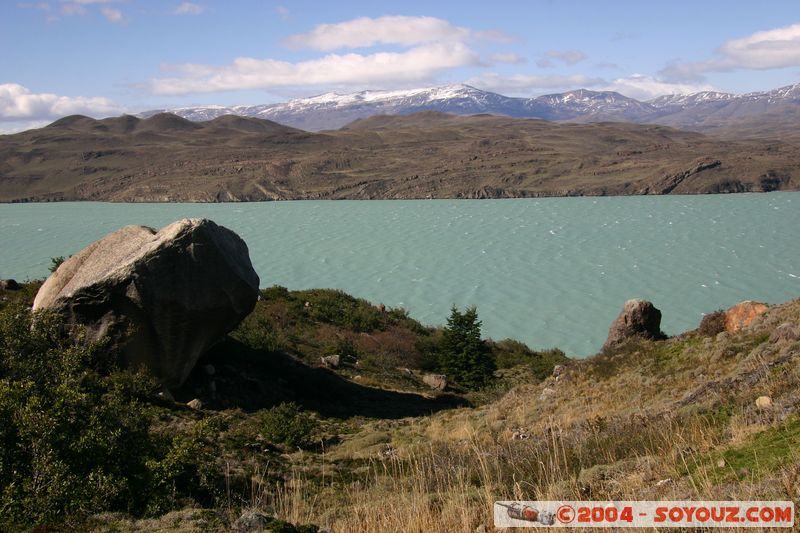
333, 110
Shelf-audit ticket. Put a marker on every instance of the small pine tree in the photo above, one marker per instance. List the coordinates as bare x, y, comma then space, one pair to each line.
464, 356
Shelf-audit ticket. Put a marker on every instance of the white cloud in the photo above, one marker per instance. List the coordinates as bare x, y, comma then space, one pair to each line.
646, 87
189, 8
70, 8
764, 50
569, 57
419, 64
113, 15
528, 83
510, 58
7, 128
365, 32
19, 104
283, 12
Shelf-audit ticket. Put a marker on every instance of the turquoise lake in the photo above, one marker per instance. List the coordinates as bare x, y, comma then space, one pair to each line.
548, 272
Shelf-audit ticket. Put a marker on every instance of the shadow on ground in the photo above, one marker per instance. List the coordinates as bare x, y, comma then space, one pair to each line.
253, 379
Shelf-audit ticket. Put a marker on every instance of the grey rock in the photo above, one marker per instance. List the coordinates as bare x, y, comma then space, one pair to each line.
558, 370
435, 381
331, 361
639, 318
163, 297
251, 521
9, 285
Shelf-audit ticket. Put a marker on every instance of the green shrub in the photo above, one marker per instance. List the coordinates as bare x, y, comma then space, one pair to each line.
288, 424
509, 353
56, 262
340, 309
185, 470
258, 333
276, 292
464, 356
75, 437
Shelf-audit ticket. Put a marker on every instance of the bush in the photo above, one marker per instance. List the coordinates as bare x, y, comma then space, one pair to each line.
509, 353
276, 292
288, 424
340, 309
75, 437
258, 333
712, 324
464, 356
56, 262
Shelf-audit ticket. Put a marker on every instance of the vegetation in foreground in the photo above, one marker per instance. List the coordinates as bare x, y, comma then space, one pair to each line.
673, 419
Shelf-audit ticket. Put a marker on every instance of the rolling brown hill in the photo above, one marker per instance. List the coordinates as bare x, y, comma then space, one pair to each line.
166, 158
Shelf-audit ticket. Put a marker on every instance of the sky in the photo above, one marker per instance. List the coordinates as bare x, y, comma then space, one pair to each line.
108, 57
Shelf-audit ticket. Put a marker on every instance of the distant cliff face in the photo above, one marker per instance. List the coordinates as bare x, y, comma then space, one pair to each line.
166, 158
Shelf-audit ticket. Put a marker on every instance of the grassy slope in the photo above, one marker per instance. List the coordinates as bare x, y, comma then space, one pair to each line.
674, 419
426, 155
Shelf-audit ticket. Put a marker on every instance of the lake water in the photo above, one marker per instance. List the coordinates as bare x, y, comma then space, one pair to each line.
549, 272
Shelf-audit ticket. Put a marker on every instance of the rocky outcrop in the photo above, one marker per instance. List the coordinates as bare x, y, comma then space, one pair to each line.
163, 297
435, 381
639, 318
742, 315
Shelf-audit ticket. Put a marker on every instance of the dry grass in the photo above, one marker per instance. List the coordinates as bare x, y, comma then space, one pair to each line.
656, 420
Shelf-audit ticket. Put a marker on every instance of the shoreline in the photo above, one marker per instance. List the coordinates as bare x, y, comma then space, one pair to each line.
409, 199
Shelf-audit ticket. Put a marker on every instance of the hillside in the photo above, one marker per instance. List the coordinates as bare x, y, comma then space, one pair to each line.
705, 415
166, 158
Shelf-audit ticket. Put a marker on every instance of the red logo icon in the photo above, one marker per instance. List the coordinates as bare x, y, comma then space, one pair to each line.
565, 514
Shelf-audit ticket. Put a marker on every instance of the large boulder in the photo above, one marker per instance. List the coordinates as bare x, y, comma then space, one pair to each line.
163, 297
639, 318
742, 315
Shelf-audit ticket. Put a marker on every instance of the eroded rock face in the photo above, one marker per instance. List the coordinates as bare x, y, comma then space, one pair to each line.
163, 297
742, 315
639, 318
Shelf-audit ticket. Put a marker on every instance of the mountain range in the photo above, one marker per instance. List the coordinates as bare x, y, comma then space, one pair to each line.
711, 112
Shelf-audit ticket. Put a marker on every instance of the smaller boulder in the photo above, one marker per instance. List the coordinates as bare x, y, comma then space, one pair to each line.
9, 285
558, 370
435, 381
331, 361
764, 402
546, 394
639, 318
784, 332
251, 521
195, 404
742, 315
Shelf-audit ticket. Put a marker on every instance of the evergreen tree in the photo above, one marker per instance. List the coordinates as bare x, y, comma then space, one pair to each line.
465, 357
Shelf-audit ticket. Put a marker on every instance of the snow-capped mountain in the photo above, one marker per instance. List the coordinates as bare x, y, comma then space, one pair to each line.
333, 110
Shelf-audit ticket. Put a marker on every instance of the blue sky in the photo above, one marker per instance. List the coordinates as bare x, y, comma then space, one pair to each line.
105, 57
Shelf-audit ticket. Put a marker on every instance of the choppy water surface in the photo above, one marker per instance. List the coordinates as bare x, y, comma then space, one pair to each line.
549, 272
